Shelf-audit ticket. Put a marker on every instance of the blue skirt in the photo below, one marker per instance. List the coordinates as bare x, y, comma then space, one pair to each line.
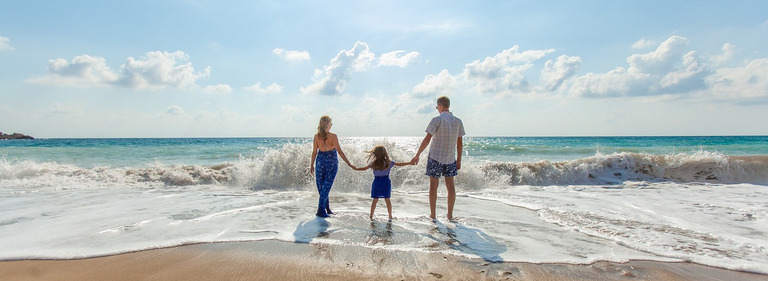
381, 187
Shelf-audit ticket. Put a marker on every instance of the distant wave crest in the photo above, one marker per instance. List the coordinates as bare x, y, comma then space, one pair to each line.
288, 168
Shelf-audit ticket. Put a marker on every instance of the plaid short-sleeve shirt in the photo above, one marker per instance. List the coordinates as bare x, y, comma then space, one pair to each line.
445, 130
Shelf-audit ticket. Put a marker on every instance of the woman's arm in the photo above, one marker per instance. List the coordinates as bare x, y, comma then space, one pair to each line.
314, 154
341, 152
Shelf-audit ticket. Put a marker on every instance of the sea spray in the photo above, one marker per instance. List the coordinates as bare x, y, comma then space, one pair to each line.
287, 167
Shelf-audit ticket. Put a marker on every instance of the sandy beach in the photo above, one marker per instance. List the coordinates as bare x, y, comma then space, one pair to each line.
275, 260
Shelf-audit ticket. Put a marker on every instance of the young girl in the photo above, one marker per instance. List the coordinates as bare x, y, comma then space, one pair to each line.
382, 186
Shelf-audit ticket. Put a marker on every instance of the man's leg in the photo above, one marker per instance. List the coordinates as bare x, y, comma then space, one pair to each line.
433, 182
449, 185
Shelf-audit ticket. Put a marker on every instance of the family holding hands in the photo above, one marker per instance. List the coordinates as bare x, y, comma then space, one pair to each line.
444, 133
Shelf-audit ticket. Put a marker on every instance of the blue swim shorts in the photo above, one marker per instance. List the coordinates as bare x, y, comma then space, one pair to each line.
436, 169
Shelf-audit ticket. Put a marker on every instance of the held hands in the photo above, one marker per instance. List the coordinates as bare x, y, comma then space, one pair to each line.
415, 160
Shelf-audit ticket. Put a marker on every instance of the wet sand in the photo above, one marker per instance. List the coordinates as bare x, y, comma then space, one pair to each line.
275, 260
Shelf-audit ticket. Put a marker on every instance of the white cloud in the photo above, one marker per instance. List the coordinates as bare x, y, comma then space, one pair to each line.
332, 78
5, 44
218, 89
273, 88
291, 55
643, 44
174, 110
158, 69
661, 59
690, 77
555, 72
83, 70
669, 69
435, 85
749, 81
398, 58
427, 108
728, 51
504, 72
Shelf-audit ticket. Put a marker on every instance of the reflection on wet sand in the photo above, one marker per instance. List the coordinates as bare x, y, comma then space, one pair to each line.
468, 240
380, 234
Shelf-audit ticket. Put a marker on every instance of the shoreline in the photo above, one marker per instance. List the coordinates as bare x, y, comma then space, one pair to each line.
275, 259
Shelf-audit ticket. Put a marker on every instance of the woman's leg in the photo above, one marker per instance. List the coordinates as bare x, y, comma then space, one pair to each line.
321, 177
329, 181
389, 207
373, 207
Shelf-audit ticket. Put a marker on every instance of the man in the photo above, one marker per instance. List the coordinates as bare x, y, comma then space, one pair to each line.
445, 132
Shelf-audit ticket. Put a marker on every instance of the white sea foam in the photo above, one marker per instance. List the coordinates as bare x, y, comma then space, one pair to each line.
288, 168
704, 207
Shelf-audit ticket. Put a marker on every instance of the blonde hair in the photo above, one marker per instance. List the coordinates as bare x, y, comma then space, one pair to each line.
380, 158
322, 127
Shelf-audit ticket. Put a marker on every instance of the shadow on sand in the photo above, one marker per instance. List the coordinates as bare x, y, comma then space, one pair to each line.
308, 230
468, 240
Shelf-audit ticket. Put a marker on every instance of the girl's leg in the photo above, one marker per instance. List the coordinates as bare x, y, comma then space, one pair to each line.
389, 207
373, 207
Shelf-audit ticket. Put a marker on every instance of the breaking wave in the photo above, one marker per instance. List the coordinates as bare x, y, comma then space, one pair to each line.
288, 168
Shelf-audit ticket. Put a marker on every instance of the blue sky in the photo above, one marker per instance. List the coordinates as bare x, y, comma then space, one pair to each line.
519, 68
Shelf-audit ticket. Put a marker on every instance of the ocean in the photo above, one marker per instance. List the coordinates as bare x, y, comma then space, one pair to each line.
529, 199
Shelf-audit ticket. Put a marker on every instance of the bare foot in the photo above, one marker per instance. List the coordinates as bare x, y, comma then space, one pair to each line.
370, 217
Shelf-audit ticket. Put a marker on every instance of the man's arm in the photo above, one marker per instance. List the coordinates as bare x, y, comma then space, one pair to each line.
423, 146
459, 148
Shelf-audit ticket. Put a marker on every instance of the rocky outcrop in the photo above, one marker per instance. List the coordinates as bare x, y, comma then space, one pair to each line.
15, 136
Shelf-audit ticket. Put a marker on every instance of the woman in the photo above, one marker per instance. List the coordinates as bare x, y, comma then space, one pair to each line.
324, 148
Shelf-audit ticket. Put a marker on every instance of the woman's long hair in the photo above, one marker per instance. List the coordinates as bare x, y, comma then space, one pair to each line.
322, 127
380, 158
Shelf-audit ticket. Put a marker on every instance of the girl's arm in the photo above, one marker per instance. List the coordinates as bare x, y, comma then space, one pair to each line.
315, 146
341, 152
361, 168
404, 163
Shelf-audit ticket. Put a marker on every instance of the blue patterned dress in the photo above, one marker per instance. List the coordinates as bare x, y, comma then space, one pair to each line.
325, 173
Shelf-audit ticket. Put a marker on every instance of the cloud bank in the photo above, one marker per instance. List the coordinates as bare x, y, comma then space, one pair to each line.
154, 70
332, 79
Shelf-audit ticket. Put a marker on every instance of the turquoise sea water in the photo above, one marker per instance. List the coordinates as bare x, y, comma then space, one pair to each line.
210, 151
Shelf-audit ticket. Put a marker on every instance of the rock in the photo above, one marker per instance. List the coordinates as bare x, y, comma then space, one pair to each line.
15, 136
